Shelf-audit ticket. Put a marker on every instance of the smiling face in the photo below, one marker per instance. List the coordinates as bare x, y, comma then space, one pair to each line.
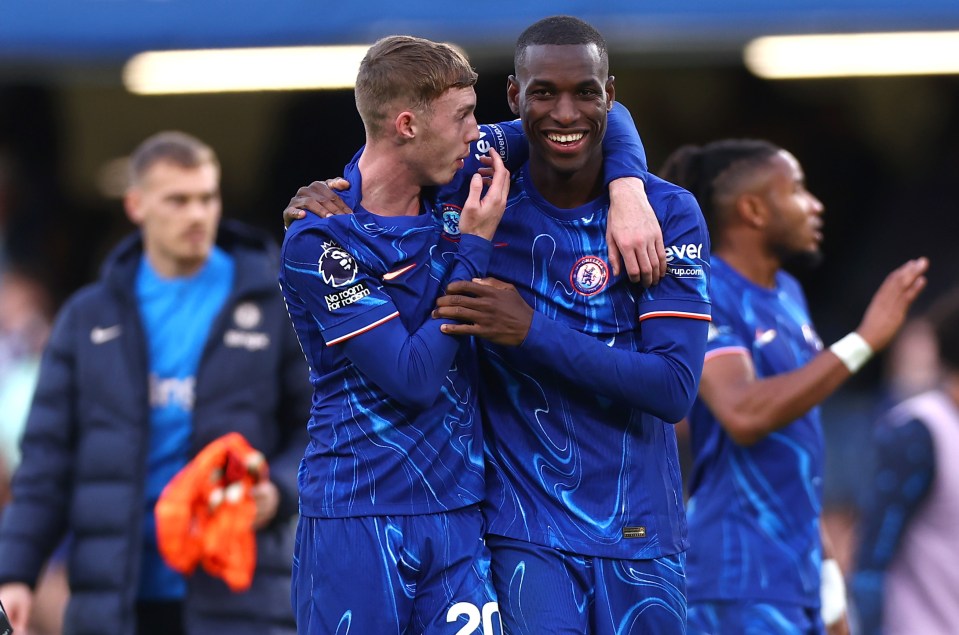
443, 136
795, 227
178, 210
563, 94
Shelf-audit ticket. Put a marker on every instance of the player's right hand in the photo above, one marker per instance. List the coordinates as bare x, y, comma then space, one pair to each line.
887, 310
481, 214
17, 598
319, 198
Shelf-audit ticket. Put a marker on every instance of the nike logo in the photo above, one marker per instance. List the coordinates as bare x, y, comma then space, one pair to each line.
101, 335
765, 337
397, 273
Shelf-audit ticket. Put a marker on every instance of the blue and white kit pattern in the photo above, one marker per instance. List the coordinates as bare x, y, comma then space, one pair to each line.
369, 453
567, 467
545, 591
426, 573
754, 510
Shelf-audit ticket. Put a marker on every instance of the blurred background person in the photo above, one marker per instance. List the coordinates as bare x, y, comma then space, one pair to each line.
184, 338
912, 363
906, 580
756, 559
25, 314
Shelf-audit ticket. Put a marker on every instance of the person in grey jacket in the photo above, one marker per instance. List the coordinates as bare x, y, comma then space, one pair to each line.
183, 339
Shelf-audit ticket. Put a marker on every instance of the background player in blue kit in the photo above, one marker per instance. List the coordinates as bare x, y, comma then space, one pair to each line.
390, 535
581, 369
756, 488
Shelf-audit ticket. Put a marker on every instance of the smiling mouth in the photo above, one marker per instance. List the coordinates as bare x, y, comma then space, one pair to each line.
565, 139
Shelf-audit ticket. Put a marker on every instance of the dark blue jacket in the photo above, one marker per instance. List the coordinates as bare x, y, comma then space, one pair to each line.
84, 449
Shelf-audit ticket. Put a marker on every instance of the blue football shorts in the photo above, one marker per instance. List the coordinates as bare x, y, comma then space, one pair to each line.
389, 575
544, 591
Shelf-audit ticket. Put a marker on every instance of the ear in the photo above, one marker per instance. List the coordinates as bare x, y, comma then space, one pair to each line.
752, 210
133, 205
406, 126
512, 94
610, 92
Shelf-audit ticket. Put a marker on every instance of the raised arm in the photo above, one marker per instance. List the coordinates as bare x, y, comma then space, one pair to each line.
749, 409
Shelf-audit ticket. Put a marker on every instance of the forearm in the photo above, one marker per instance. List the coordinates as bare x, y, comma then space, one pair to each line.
411, 367
758, 408
623, 151
472, 259
662, 383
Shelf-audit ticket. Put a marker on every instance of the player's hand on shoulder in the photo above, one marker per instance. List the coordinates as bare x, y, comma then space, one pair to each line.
320, 198
889, 306
633, 234
482, 212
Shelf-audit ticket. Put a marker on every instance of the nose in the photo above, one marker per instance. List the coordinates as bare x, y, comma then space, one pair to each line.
564, 110
196, 209
473, 130
817, 207
200, 208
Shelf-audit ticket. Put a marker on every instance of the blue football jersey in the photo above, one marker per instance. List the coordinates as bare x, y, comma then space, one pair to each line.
368, 452
754, 511
567, 467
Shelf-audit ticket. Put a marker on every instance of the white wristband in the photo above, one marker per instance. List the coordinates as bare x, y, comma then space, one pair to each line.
853, 351
832, 593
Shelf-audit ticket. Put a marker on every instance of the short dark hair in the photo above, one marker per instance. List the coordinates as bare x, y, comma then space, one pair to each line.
170, 146
710, 170
943, 315
407, 67
559, 29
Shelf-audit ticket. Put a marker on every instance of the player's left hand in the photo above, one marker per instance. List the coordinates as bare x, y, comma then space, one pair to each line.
633, 234
487, 308
318, 197
267, 499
